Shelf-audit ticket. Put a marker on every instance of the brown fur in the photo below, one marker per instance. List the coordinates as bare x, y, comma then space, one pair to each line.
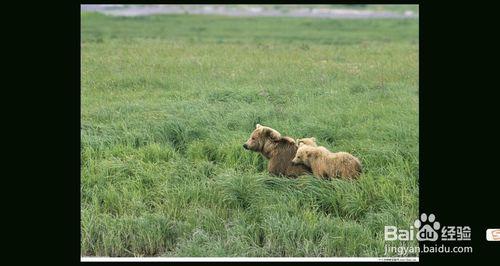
328, 164
279, 150
307, 141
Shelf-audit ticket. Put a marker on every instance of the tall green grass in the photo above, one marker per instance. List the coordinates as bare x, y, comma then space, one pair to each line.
168, 101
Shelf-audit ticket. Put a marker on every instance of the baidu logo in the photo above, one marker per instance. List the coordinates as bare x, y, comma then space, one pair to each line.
429, 227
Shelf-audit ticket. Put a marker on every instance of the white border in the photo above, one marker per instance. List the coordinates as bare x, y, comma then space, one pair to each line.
221, 259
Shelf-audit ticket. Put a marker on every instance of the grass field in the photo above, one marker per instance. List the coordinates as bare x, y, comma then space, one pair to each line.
168, 101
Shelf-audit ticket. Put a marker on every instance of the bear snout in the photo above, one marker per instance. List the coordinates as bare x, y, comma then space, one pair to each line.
245, 146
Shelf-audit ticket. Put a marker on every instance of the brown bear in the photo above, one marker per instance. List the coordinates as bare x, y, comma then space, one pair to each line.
307, 141
278, 150
325, 163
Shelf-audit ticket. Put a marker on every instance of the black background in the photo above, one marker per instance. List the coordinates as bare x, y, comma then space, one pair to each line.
458, 133
459, 179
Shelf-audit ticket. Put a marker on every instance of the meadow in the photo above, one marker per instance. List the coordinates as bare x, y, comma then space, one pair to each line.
167, 102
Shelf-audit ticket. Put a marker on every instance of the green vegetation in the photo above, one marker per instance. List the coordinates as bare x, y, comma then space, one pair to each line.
168, 101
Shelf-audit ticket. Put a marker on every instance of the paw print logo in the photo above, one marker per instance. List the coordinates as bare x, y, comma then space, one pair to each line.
428, 227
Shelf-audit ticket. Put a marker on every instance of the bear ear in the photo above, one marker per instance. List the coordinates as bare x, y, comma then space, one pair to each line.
258, 126
274, 135
301, 144
313, 139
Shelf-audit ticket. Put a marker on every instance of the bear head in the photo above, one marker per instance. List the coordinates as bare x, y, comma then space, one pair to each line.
260, 137
305, 153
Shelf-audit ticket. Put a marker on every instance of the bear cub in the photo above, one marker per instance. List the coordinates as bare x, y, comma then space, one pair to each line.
327, 164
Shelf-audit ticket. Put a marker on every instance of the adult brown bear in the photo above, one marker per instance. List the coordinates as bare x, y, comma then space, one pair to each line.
278, 150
